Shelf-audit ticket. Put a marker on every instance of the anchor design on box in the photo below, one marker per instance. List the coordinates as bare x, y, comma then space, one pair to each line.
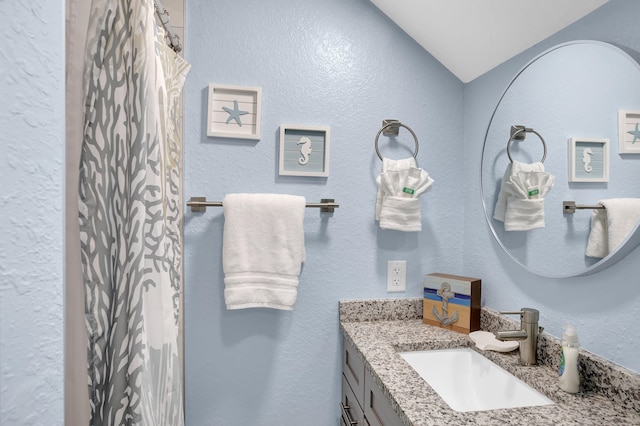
451, 302
445, 293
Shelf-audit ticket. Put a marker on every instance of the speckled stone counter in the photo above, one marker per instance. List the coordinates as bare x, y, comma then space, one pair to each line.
378, 329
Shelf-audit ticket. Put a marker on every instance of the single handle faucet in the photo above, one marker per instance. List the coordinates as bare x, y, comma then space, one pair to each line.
527, 335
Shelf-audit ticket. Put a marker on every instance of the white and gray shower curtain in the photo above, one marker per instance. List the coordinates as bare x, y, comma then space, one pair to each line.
130, 216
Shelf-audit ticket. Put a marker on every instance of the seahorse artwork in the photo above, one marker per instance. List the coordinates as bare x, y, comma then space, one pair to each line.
586, 159
305, 150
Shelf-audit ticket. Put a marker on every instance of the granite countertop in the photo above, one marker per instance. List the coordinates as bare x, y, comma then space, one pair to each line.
379, 329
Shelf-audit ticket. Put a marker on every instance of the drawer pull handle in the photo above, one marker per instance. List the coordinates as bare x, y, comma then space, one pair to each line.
345, 413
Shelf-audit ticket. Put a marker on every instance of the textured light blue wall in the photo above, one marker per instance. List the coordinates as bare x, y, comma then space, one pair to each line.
337, 63
603, 306
31, 200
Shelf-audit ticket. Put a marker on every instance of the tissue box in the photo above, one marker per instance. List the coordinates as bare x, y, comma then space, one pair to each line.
451, 302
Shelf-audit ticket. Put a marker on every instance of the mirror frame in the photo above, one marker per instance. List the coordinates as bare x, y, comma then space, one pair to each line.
632, 240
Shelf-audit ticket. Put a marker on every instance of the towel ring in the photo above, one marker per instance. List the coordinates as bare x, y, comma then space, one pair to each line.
526, 129
395, 123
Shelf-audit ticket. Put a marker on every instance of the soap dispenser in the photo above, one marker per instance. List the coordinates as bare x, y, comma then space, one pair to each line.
569, 380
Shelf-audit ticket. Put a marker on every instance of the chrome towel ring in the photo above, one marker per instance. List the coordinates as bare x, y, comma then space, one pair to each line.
389, 124
519, 133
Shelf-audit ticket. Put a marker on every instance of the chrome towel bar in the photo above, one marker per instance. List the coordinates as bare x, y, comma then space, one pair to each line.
571, 207
200, 204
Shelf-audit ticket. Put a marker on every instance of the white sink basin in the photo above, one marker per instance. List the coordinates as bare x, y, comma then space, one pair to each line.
468, 381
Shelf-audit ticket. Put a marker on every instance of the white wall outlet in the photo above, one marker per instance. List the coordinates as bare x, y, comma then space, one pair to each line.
396, 276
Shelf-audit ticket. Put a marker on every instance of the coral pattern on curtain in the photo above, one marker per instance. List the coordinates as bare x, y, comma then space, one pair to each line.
130, 217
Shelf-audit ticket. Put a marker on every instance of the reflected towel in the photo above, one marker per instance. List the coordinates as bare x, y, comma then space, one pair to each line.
612, 225
512, 169
525, 203
262, 250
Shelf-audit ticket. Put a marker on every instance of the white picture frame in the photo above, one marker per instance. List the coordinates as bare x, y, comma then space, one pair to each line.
234, 111
304, 150
628, 132
588, 160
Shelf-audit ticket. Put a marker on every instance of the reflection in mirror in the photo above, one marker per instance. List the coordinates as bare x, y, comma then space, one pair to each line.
572, 91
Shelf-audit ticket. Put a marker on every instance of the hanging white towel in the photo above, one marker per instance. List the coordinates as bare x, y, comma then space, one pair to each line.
401, 214
388, 165
513, 168
612, 225
400, 208
263, 250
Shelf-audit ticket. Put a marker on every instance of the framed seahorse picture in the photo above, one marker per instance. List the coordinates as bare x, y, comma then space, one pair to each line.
588, 160
304, 150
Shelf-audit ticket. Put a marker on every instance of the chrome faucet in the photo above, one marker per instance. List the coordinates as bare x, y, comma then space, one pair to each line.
527, 335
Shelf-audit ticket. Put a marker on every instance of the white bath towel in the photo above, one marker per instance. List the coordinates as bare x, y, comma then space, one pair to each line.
388, 165
612, 225
263, 250
512, 169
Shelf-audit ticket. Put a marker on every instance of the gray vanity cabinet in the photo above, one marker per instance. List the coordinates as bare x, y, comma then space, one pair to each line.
352, 387
363, 403
352, 413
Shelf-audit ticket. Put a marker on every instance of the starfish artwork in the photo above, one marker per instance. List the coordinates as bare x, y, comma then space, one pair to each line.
635, 133
235, 113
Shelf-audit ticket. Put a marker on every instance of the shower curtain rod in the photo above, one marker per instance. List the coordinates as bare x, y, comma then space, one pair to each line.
174, 40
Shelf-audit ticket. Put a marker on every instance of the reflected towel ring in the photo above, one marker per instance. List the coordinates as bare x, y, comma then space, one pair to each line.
526, 130
397, 124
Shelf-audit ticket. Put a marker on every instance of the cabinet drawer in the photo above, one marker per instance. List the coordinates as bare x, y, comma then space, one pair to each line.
377, 408
351, 410
353, 369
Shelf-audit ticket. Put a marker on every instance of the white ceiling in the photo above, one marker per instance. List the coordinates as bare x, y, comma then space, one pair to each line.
470, 37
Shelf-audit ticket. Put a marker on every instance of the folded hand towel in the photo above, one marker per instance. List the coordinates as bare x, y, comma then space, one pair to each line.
263, 249
525, 201
612, 225
400, 208
388, 165
400, 214
416, 183
512, 169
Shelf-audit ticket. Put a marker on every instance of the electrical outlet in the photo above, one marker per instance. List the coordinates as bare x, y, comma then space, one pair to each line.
396, 276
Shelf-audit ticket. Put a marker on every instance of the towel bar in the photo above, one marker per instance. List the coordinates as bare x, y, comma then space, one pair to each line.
571, 207
200, 204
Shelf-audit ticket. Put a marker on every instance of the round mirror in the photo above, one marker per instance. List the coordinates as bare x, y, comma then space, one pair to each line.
568, 96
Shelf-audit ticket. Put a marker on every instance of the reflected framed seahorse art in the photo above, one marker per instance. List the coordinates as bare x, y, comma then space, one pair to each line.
588, 160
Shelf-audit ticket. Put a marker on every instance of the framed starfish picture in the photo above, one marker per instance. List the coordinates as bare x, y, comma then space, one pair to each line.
234, 111
628, 132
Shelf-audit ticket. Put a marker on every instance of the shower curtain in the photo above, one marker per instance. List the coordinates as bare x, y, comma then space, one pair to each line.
130, 215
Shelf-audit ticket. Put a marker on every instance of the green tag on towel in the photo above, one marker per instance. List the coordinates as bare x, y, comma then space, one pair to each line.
533, 192
408, 191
